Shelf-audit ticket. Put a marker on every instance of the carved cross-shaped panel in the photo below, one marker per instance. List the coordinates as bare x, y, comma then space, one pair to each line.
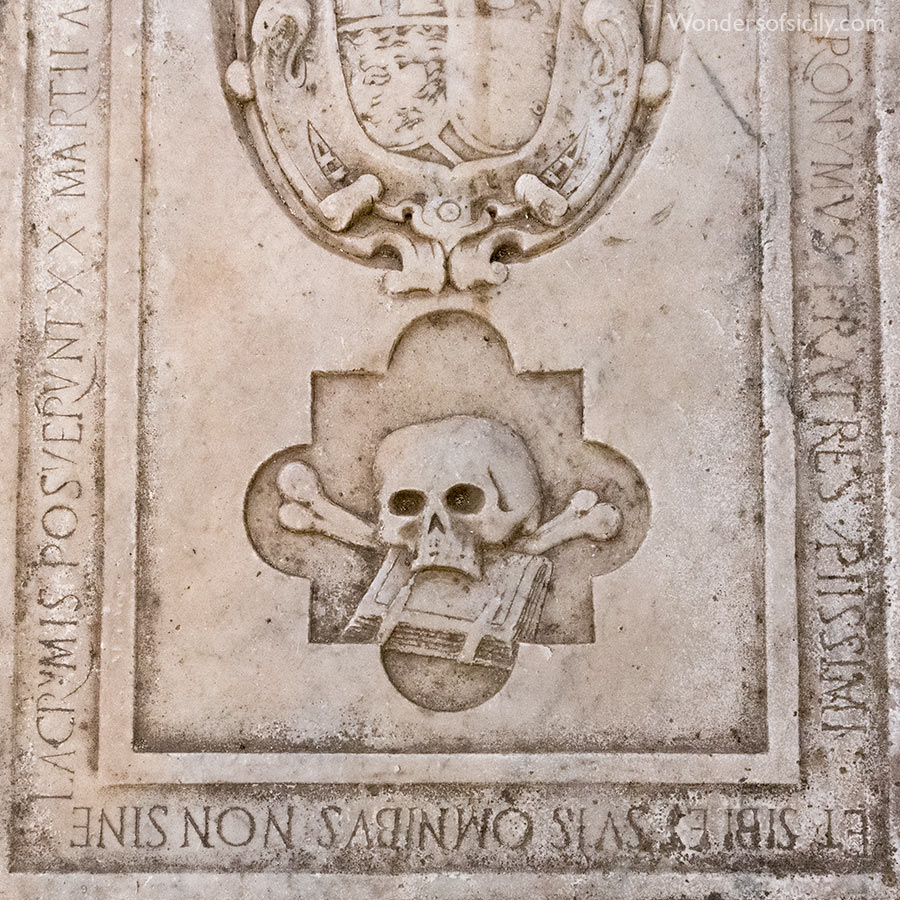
449, 489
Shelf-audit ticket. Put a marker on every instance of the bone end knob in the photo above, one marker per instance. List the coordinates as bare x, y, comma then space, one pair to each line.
584, 501
342, 208
298, 482
296, 518
607, 522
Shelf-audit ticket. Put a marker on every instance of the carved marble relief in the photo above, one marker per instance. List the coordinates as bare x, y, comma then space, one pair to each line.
447, 135
466, 531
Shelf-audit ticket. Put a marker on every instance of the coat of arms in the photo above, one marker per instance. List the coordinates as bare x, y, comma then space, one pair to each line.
445, 135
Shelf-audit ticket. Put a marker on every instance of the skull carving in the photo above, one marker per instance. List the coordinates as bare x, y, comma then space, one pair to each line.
464, 578
449, 489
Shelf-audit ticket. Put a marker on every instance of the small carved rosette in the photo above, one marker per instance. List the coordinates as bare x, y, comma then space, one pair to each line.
445, 135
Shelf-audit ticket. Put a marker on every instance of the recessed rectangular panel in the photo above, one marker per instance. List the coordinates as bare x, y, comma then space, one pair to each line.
647, 391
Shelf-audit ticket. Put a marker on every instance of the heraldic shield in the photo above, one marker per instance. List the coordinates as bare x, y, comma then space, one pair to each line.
411, 79
438, 137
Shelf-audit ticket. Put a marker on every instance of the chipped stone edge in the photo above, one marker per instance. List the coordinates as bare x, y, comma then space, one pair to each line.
887, 96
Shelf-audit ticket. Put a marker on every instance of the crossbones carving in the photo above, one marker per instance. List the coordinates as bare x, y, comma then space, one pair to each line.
459, 518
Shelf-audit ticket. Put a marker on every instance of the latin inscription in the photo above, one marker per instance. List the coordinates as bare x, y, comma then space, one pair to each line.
575, 832
60, 387
837, 309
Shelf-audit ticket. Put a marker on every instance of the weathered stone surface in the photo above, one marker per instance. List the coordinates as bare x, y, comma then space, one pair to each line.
449, 449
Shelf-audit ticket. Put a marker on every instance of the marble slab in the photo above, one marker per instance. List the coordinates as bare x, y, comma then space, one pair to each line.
450, 449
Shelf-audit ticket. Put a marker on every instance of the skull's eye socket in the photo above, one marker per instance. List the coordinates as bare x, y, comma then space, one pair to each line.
407, 503
467, 499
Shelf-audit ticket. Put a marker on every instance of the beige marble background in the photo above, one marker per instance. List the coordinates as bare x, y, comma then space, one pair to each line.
658, 302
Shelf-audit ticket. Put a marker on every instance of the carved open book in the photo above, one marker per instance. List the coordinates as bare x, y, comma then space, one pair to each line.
447, 615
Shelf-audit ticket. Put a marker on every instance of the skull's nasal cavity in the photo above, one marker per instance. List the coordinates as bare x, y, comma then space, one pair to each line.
436, 524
